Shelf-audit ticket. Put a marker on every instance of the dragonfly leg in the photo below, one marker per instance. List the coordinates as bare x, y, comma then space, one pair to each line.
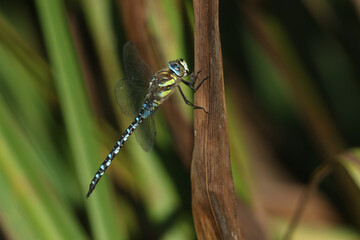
202, 81
191, 83
190, 103
194, 76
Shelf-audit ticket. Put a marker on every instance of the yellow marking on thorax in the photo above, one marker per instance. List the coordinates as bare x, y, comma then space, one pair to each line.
164, 93
167, 83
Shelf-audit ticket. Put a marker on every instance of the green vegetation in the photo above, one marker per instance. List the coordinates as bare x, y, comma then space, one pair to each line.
293, 103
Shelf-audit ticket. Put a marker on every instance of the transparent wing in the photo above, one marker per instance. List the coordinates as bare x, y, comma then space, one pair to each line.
130, 91
129, 100
145, 134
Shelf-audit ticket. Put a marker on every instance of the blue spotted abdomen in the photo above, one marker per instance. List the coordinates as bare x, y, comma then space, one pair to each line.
144, 113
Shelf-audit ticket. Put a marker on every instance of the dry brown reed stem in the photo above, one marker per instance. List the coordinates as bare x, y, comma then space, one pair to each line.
215, 208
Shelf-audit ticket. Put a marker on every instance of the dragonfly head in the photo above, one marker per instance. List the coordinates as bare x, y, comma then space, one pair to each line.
179, 67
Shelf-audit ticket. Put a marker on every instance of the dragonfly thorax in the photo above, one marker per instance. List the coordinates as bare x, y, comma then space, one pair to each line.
179, 67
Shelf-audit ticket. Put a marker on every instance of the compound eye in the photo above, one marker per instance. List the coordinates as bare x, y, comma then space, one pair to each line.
175, 66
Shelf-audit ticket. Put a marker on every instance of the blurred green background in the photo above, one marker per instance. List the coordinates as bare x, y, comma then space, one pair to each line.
291, 71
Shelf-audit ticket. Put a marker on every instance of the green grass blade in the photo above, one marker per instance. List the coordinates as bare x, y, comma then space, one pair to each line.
26, 187
33, 112
78, 116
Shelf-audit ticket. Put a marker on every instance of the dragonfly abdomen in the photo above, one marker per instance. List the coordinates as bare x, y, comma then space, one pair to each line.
115, 150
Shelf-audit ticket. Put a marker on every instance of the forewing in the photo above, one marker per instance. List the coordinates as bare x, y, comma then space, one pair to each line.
130, 91
145, 134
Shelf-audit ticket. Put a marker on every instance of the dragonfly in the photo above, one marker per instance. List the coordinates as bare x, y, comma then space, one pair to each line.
140, 94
